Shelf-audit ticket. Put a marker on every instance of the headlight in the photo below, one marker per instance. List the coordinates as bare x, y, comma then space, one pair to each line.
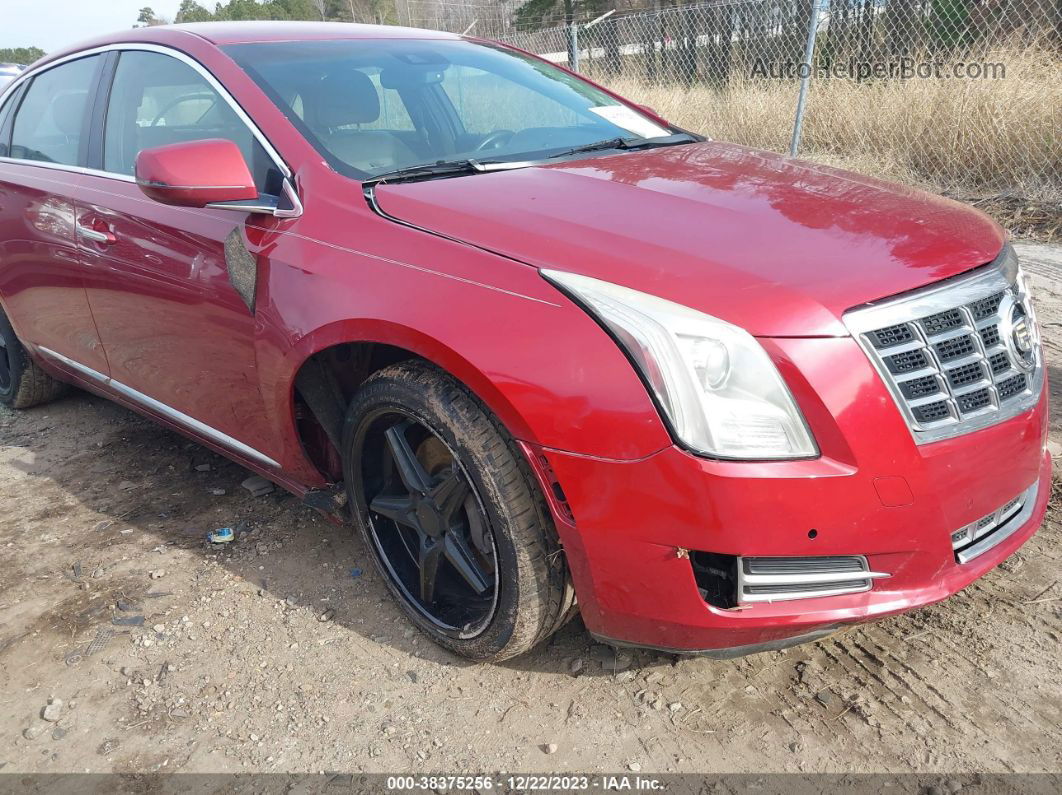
720, 392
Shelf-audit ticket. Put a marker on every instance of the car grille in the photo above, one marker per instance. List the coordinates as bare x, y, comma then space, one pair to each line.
948, 352
774, 579
976, 538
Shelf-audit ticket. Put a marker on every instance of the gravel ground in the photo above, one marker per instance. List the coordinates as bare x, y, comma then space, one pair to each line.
283, 651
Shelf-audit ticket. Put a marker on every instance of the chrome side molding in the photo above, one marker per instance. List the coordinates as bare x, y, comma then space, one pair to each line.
170, 413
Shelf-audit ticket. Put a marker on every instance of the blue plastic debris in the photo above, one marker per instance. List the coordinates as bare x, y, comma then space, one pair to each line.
223, 535
355, 573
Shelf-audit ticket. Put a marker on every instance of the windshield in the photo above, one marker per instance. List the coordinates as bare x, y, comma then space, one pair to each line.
375, 106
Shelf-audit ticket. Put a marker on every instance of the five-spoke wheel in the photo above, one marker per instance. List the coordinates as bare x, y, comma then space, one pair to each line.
452, 515
427, 524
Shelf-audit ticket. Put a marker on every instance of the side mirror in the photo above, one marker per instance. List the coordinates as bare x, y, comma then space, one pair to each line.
195, 173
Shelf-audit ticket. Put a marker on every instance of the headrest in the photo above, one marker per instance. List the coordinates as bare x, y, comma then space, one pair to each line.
68, 111
341, 99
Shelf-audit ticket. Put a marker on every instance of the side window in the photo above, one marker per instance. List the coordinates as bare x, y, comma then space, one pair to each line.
50, 119
5, 119
157, 100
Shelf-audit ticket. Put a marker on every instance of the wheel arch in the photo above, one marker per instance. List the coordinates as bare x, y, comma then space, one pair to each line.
328, 365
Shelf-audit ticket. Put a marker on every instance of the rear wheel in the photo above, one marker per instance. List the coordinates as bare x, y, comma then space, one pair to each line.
22, 383
453, 517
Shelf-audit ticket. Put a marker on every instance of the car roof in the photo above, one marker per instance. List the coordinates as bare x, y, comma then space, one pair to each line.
224, 33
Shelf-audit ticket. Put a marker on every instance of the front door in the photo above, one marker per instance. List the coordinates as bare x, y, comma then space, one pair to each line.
172, 289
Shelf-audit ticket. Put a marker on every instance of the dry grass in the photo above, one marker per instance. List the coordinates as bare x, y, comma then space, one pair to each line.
961, 136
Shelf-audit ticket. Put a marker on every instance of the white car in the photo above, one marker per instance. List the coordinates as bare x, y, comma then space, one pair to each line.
8, 72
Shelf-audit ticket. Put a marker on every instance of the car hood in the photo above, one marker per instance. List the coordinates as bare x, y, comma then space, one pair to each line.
778, 246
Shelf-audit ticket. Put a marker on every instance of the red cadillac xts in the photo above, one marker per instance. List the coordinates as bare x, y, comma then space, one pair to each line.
546, 351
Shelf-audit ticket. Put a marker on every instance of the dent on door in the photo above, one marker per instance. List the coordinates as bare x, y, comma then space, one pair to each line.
175, 327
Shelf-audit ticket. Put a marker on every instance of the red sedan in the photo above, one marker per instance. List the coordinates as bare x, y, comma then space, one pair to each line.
546, 351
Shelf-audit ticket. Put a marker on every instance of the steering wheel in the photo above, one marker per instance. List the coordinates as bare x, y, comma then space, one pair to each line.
495, 140
186, 98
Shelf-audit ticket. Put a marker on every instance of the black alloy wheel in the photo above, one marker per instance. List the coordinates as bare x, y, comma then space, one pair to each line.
452, 514
429, 528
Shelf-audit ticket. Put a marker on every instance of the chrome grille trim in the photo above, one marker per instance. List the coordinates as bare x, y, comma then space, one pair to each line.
977, 538
776, 579
957, 334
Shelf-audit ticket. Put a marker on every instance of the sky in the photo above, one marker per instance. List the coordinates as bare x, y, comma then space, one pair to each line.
52, 24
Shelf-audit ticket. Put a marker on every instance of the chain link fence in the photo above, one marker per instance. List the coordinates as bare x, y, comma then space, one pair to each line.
960, 96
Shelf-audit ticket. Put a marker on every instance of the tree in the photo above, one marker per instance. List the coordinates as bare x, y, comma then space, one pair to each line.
20, 55
536, 13
950, 23
191, 11
379, 11
147, 18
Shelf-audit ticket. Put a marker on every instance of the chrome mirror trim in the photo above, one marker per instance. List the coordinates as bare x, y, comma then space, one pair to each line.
292, 196
265, 204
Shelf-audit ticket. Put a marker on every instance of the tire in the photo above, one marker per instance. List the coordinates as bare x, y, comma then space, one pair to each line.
503, 523
23, 384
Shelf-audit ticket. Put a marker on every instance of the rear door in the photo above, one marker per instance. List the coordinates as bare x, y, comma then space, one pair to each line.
179, 334
43, 143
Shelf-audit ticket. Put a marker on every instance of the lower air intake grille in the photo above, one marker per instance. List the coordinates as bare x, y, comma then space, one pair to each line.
979, 536
776, 579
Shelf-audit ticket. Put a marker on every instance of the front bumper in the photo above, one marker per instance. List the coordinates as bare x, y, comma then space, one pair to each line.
626, 524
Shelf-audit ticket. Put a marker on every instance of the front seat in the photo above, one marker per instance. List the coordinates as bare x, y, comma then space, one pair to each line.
68, 114
336, 106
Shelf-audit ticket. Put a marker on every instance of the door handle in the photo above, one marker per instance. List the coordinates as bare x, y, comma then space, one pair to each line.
106, 238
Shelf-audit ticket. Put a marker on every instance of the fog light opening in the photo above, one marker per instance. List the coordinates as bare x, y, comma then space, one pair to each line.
716, 577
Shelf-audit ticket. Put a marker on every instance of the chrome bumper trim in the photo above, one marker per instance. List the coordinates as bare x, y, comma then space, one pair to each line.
783, 583
1003, 531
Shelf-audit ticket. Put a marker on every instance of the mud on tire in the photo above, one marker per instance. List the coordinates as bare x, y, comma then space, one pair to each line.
534, 596
22, 383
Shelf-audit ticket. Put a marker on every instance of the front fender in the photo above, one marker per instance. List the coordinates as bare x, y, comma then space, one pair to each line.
543, 366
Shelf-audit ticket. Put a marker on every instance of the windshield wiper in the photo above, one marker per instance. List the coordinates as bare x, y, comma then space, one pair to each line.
456, 168
629, 143
445, 168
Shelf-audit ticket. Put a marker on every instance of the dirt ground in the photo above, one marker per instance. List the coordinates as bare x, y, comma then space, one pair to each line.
283, 651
